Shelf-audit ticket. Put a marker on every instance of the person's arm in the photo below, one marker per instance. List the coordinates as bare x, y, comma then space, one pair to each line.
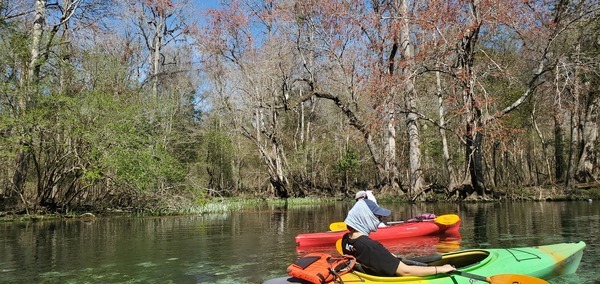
414, 270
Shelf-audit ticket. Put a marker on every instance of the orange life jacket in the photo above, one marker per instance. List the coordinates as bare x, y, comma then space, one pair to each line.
320, 268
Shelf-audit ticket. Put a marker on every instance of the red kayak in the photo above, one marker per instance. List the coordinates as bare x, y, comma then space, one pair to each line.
407, 247
412, 228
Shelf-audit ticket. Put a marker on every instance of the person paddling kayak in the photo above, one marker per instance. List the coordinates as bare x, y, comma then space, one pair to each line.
364, 218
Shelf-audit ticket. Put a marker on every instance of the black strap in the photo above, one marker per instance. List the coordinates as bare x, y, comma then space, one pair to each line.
304, 262
321, 276
336, 276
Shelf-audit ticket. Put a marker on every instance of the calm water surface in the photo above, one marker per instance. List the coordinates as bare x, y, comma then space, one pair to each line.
258, 244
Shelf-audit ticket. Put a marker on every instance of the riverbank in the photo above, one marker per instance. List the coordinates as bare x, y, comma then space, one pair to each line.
221, 204
199, 207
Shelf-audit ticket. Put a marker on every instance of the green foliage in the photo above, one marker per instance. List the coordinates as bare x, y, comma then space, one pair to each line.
91, 176
95, 137
106, 72
348, 165
506, 93
219, 158
594, 194
14, 48
127, 146
144, 169
433, 148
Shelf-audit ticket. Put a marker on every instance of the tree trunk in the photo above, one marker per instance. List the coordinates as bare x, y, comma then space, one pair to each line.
587, 160
279, 179
390, 165
66, 53
559, 136
37, 32
544, 142
276, 165
452, 180
559, 148
416, 172
473, 136
21, 162
271, 150
575, 134
473, 120
573, 147
157, 47
19, 177
474, 140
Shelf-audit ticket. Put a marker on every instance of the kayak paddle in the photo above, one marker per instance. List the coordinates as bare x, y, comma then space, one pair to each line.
448, 219
337, 226
338, 246
503, 278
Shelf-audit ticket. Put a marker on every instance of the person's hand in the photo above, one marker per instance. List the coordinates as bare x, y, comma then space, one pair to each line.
445, 268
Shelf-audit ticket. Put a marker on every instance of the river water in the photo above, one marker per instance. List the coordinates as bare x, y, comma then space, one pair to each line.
257, 244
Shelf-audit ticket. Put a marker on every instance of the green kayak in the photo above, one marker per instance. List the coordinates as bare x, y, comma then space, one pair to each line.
543, 262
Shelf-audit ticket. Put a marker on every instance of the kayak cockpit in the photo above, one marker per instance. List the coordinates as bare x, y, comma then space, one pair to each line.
461, 260
464, 259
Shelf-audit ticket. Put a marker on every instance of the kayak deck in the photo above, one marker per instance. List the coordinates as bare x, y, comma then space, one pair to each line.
393, 232
544, 262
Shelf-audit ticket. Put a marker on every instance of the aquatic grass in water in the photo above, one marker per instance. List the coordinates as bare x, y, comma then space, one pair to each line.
234, 204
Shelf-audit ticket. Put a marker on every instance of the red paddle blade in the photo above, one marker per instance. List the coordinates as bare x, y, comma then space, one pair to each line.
516, 279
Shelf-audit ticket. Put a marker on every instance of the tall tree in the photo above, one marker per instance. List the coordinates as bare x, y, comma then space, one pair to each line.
256, 70
160, 23
588, 56
416, 181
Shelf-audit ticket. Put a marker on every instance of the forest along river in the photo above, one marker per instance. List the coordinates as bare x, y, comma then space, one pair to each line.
256, 245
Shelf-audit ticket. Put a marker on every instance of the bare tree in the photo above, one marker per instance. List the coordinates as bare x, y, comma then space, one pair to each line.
160, 23
251, 77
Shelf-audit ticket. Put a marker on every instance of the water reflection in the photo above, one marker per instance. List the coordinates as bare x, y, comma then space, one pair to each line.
253, 245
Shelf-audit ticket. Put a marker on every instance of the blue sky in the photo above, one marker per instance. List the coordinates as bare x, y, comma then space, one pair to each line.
203, 4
